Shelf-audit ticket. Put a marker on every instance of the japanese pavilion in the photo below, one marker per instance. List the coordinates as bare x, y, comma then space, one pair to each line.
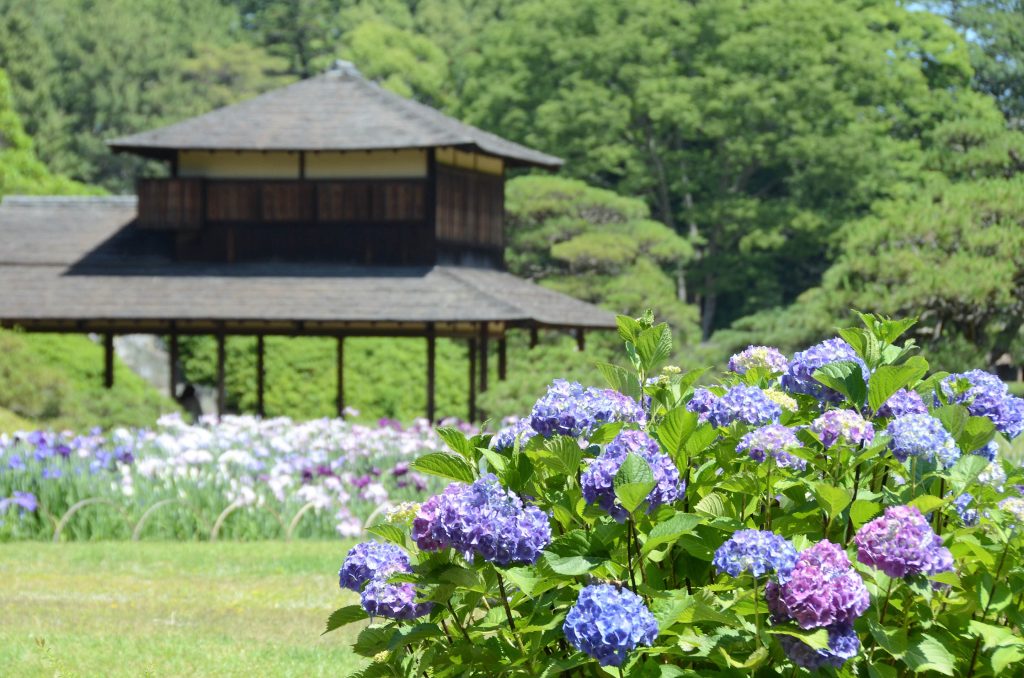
329, 207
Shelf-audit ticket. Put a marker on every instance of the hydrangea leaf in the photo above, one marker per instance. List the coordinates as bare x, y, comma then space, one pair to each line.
629, 328
373, 639
892, 640
445, 465
1004, 656
966, 471
654, 346
700, 439
670, 530
621, 379
927, 503
712, 505
816, 638
388, 532
674, 430
888, 379
344, 616
572, 566
456, 441
862, 510
565, 454
953, 417
832, 499
845, 377
977, 433
414, 634
759, 657
925, 653
633, 482
993, 636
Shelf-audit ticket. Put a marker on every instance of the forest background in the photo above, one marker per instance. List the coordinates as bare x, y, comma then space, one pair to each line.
750, 169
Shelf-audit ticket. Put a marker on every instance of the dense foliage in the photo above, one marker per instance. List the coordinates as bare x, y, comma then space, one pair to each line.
840, 511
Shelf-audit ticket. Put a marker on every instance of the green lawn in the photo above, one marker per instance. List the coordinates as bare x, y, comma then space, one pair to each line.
172, 609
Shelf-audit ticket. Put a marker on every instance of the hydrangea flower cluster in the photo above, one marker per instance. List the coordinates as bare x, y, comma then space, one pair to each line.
1015, 507
903, 402
371, 560
756, 552
746, 404
701, 403
572, 410
990, 450
767, 357
968, 516
924, 436
846, 425
782, 399
799, 374
394, 601
774, 440
901, 543
598, 480
988, 396
822, 590
993, 475
482, 519
843, 644
505, 439
607, 623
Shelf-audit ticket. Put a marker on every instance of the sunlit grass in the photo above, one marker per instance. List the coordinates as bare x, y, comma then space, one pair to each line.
170, 609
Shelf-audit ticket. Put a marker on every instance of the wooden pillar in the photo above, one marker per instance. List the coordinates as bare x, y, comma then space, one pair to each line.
483, 357
502, 358
340, 398
581, 342
172, 360
431, 358
534, 339
221, 403
472, 379
108, 360
260, 377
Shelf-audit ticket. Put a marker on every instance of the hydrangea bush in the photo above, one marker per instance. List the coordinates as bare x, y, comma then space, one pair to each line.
840, 512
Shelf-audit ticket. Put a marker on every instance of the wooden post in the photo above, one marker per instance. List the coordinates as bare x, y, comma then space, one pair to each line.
431, 357
260, 377
534, 340
108, 360
340, 399
472, 379
483, 357
502, 358
172, 360
581, 342
221, 403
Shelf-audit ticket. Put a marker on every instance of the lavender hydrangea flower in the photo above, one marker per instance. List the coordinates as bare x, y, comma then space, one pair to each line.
746, 404
756, 552
968, 516
1015, 507
598, 480
774, 440
987, 396
845, 425
701, 403
924, 436
482, 519
394, 601
901, 543
506, 438
371, 560
766, 357
902, 402
799, 374
993, 475
843, 644
821, 590
608, 623
570, 409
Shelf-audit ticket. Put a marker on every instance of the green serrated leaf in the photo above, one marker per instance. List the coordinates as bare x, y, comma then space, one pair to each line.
927, 503
993, 636
1004, 656
888, 379
388, 532
953, 417
844, 376
633, 482
566, 454
966, 471
700, 439
572, 565
712, 505
344, 616
445, 465
862, 510
925, 653
977, 433
892, 640
654, 346
831, 499
629, 328
456, 440
670, 530
373, 639
675, 428
816, 638
621, 379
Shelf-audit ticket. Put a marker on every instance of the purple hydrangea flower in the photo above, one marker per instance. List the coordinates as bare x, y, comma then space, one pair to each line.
570, 409
845, 425
924, 436
989, 397
843, 644
799, 374
821, 590
968, 516
482, 519
371, 560
901, 543
598, 480
774, 440
903, 401
746, 404
394, 601
756, 552
701, 403
767, 357
505, 439
608, 623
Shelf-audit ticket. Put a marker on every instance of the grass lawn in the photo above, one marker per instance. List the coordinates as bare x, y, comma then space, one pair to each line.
172, 609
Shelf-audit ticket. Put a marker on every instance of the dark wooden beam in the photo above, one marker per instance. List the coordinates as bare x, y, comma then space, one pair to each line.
483, 357
172, 365
581, 341
430, 201
260, 377
431, 359
471, 343
502, 358
340, 397
221, 356
108, 360
534, 339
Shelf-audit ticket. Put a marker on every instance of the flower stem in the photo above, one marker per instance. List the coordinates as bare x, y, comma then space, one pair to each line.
757, 614
458, 624
629, 555
508, 611
768, 499
885, 603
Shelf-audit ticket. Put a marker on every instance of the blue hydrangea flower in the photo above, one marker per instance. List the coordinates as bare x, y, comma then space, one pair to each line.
482, 519
570, 409
598, 480
968, 516
701, 403
989, 451
903, 402
394, 601
993, 475
1015, 507
774, 440
843, 644
989, 397
766, 357
747, 404
371, 560
845, 425
924, 436
608, 623
756, 552
505, 439
798, 377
